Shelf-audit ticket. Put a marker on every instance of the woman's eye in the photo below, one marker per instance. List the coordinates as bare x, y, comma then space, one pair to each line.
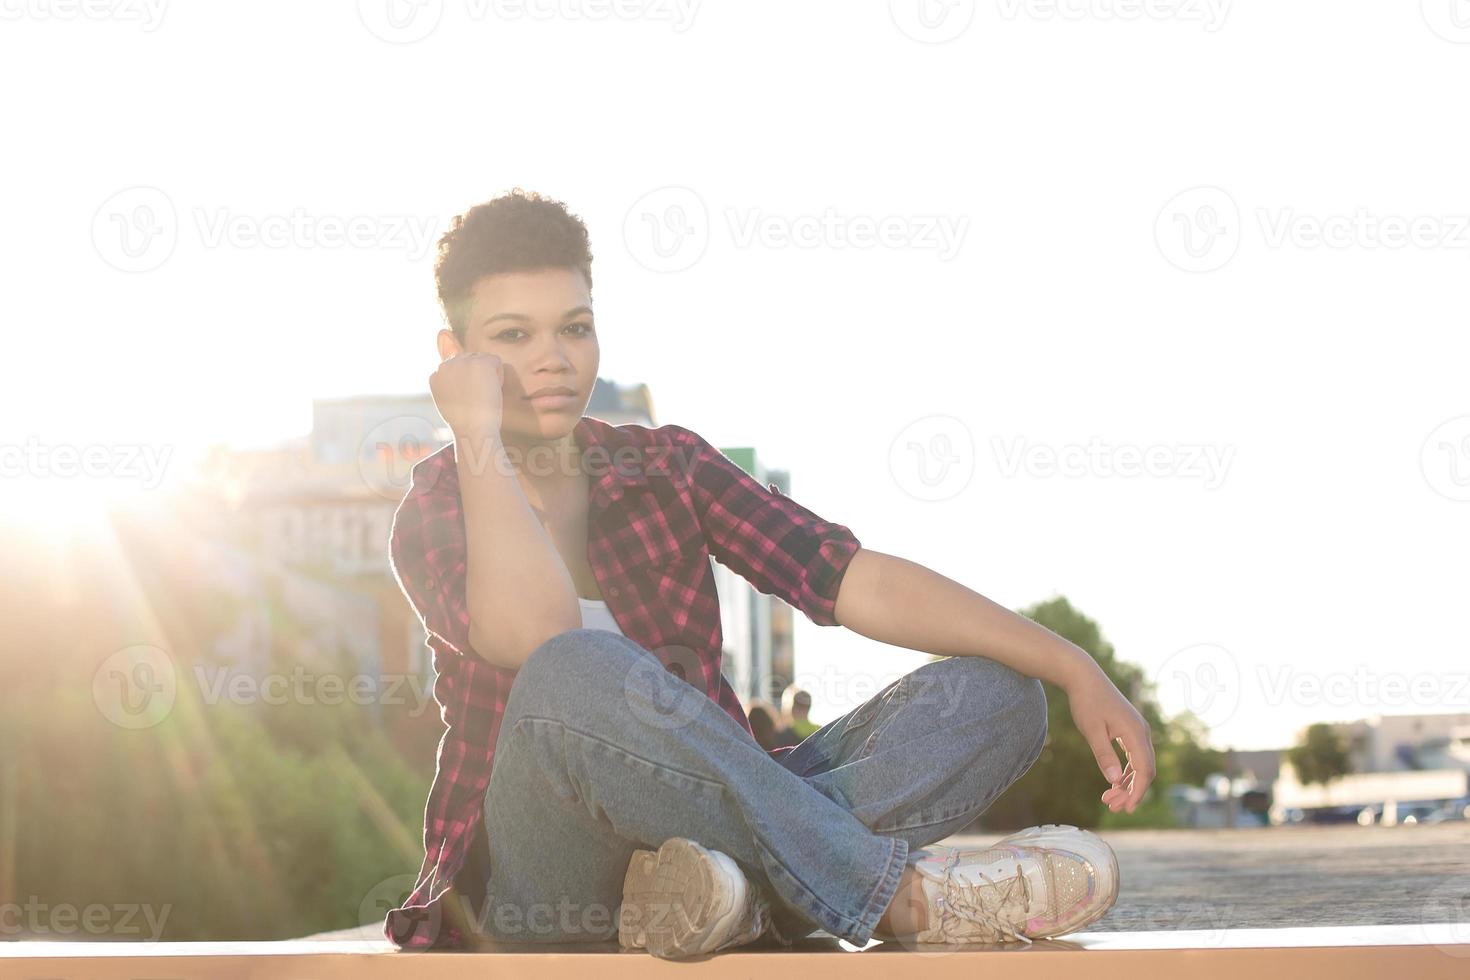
585, 328
502, 334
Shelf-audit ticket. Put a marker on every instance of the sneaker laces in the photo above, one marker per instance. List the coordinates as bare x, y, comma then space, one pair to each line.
985, 903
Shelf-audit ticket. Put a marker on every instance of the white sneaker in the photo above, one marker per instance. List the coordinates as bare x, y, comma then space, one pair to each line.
1042, 881
686, 900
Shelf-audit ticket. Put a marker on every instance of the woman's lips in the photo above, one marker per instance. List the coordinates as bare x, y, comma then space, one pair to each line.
553, 402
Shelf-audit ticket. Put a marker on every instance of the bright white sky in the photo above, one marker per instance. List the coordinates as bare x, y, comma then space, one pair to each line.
1103, 221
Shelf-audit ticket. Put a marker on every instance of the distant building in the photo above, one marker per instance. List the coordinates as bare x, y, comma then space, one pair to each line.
315, 512
1394, 743
760, 653
1401, 765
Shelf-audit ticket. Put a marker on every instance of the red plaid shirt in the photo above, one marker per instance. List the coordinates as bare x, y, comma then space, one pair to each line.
661, 502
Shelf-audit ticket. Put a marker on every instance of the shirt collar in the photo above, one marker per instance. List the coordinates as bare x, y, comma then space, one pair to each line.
613, 466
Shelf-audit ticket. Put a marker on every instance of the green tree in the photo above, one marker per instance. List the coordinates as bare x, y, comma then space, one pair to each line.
1321, 756
1065, 786
1189, 760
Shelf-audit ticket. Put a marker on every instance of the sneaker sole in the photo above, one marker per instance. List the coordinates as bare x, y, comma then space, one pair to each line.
686, 900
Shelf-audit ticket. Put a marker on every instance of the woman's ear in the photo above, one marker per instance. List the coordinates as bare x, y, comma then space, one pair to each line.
448, 345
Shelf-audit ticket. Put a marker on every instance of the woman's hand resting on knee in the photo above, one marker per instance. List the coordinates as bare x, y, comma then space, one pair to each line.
1103, 715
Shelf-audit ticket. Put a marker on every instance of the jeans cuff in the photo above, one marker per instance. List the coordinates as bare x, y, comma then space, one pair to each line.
882, 895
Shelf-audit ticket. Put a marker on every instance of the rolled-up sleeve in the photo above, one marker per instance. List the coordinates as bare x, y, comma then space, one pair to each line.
777, 545
427, 549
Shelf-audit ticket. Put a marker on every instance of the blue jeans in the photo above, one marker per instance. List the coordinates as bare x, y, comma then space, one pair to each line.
603, 751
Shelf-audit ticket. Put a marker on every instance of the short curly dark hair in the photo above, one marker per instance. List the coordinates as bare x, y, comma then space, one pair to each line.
516, 232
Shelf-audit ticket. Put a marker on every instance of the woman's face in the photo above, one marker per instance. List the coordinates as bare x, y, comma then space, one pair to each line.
539, 324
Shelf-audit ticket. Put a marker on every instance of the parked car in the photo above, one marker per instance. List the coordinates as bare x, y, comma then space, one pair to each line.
1450, 810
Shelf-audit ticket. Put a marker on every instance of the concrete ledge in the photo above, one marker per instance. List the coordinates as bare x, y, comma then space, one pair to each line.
1423, 952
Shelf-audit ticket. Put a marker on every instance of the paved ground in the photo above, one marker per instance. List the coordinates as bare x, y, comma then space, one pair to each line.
1274, 877
1289, 876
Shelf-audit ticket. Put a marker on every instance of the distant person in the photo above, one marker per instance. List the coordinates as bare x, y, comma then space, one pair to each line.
796, 703
765, 724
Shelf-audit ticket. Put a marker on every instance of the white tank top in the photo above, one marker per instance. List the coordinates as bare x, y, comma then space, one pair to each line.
595, 615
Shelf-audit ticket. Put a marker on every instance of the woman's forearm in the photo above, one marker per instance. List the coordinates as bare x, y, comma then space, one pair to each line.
517, 588
896, 601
